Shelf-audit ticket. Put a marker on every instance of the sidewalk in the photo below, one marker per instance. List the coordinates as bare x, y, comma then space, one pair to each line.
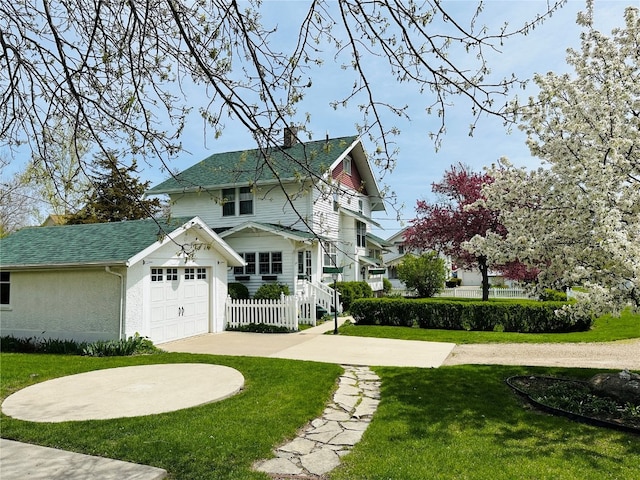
20, 461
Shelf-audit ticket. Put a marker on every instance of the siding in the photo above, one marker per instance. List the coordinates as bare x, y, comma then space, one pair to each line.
81, 304
266, 242
270, 206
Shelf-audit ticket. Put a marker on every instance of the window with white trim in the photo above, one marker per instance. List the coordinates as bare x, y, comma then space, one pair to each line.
346, 165
250, 267
5, 288
238, 200
361, 234
201, 274
189, 273
330, 256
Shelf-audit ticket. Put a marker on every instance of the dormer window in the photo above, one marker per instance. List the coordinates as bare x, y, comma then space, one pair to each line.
346, 165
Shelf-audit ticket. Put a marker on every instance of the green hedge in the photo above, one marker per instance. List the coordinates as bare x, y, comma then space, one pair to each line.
526, 316
351, 291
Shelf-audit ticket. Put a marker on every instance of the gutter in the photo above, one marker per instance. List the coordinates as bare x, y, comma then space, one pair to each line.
121, 314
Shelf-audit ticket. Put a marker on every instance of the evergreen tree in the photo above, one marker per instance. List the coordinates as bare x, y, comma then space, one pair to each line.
115, 194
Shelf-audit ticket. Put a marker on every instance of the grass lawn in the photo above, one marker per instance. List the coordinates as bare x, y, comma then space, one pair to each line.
605, 329
458, 422
216, 441
463, 422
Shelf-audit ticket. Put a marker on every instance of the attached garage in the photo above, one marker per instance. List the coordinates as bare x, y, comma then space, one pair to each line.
165, 280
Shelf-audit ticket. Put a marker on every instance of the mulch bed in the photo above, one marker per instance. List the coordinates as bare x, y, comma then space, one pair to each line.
575, 399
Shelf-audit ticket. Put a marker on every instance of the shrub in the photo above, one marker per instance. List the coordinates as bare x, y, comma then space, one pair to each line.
386, 286
260, 328
238, 291
550, 295
271, 291
350, 291
120, 348
13, 344
424, 274
525, 316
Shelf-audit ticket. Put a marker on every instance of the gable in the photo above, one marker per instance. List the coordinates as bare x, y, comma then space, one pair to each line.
349, 177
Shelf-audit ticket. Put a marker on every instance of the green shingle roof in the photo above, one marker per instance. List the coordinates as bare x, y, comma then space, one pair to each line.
249, 166
97, 243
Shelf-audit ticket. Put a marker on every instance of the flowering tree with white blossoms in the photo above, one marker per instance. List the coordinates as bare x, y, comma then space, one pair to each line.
577, 218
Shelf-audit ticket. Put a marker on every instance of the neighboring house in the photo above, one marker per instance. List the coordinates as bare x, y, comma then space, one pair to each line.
163, 280
290, 227
396, 254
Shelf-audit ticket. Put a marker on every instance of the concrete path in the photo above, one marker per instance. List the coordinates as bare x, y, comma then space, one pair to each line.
20, 461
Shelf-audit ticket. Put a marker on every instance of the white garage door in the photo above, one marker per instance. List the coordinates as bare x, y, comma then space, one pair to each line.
179, 303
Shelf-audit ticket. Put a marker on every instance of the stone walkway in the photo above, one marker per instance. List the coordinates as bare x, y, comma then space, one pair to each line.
318, 448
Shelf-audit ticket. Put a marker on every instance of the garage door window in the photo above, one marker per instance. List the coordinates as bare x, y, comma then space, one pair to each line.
156, 274
202, 273
189, 273
172, 274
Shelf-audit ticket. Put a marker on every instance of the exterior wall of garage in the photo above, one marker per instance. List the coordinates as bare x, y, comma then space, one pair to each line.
74, 303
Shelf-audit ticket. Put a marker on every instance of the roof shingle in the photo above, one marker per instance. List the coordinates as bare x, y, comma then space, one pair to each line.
97, 243
302, 160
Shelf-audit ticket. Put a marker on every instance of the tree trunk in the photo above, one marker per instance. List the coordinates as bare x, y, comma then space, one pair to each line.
484, 271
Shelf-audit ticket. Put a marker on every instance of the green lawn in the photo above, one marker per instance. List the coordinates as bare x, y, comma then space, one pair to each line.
605, 329
463, 422
458, 422
216, 441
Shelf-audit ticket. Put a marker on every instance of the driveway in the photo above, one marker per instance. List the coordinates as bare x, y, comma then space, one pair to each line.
314, 345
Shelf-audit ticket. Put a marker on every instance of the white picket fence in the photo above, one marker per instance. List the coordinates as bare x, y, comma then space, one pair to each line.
287, 311
477, 293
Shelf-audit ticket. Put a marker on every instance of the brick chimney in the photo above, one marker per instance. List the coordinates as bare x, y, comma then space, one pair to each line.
290, 137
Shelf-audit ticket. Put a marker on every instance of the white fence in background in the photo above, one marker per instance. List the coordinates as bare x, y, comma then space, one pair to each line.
287, 311
477, 293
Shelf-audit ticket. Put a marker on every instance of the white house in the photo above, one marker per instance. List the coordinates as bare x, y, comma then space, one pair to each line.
291, 212
162, 279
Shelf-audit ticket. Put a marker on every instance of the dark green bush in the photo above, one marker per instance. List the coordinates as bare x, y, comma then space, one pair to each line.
350, 291
43, 345
453, 282
238, 291
260, 328
387, 286
271, 291
525, 316
550, 295
103, 348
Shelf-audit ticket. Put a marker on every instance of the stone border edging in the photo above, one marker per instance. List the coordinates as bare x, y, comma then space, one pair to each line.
318, 448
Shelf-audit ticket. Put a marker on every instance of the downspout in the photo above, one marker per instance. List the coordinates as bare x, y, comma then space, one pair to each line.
121, 320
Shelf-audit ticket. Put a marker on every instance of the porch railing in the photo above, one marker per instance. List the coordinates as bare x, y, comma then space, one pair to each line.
324, 295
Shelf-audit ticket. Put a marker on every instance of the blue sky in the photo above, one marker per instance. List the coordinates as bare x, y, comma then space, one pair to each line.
418, 163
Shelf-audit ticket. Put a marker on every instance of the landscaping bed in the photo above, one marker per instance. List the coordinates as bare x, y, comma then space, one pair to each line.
576, 400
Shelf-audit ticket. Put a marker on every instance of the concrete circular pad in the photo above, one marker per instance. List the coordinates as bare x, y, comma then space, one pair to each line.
124, 392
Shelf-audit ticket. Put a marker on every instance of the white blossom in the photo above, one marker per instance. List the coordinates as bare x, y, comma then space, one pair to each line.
577, 218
